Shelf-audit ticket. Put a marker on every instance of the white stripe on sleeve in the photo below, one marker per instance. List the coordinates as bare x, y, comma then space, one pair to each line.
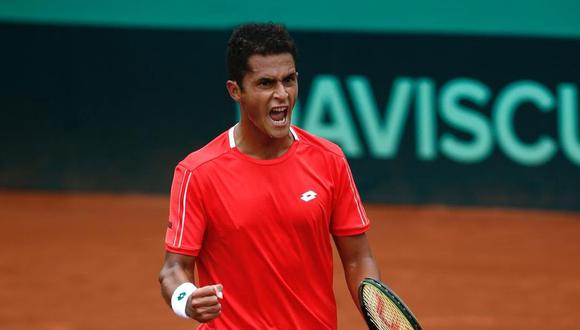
179, 207
357, 201
184, 210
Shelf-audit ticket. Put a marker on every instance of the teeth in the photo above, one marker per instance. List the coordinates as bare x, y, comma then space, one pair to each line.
276, 112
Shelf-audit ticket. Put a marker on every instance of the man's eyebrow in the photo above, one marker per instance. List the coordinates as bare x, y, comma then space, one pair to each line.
268, 77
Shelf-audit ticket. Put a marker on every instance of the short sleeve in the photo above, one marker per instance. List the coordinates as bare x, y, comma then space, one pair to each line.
187, 220
348, 215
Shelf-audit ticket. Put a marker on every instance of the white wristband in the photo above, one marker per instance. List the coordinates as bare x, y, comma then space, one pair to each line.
180, 297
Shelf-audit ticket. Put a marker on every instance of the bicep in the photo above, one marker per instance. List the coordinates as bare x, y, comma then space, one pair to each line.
353, 248
178, 266
357, 259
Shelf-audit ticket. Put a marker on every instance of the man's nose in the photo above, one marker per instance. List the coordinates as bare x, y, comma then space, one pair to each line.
280, 90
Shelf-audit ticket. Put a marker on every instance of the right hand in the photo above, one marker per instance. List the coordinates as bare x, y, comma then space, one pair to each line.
203, 304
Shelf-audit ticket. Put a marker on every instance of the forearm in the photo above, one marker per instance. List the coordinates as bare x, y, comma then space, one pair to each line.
202, 303
356, 270
357, 261
173, 274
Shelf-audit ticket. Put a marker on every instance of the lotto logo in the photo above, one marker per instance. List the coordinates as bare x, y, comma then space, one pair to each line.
308, 196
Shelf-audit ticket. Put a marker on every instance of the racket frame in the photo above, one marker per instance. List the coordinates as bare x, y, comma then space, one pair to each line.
391, 296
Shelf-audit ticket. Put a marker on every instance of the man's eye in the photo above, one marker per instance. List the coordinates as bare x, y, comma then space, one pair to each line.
265, 83
289, 80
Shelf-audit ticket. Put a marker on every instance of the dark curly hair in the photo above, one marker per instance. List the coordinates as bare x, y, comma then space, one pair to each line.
251, 39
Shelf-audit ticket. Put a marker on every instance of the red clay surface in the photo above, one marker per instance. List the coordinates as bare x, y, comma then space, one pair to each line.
91, 262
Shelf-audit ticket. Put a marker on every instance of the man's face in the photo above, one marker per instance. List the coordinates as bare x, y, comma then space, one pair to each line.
268, 94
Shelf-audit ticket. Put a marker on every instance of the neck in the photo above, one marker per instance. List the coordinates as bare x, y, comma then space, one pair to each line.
260, 146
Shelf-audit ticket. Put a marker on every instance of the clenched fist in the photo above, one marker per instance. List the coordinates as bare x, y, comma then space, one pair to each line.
203, 304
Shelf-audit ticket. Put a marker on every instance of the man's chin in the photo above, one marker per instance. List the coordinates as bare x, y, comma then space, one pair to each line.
280, 132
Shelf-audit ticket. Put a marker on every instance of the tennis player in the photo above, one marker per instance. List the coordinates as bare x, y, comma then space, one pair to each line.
255, 208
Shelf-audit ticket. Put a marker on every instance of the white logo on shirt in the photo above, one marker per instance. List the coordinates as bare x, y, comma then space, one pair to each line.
308, 196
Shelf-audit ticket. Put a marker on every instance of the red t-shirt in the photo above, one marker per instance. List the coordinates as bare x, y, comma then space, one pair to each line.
261, 228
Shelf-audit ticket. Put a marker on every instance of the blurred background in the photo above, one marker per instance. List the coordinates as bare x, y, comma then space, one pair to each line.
459, 119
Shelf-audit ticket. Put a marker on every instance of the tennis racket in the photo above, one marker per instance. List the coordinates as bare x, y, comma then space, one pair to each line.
383, 309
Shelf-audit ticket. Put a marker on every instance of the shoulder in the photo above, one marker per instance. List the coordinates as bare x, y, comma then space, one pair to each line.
208, 153
324, 145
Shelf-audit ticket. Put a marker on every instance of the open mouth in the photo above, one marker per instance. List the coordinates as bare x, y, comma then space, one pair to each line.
279, 115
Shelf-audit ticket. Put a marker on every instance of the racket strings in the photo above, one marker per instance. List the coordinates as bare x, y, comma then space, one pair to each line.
383, 312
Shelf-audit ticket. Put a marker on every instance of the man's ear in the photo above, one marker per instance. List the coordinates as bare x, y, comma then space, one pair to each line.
234, 90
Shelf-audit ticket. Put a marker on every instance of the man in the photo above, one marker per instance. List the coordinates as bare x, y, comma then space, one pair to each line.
254, 208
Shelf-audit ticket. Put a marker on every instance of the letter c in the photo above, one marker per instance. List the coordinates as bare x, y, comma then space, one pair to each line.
513, 95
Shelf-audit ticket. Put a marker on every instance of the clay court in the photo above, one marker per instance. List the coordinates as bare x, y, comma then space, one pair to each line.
91, 262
